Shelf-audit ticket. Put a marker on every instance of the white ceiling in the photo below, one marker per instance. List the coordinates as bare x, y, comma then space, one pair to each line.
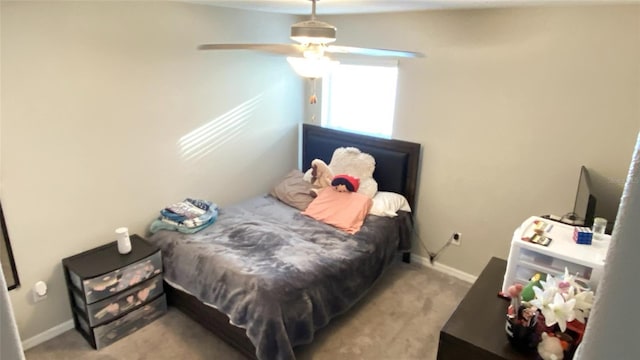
302, 7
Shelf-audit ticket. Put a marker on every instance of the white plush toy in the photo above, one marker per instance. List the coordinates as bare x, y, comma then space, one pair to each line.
550, 348
346, 160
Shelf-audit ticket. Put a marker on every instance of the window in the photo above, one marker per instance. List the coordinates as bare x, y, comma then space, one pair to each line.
360, 98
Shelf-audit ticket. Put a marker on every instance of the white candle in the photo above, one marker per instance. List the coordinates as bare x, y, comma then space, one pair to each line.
124, 243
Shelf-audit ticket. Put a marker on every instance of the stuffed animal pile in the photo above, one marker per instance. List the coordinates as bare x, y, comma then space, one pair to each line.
349, 170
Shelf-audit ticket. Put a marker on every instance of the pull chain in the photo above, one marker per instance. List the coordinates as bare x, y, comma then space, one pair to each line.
313, 98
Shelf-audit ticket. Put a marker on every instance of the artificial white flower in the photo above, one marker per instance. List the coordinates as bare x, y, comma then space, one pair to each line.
581, 315
571, 279
550, 284
559, 311
562, 300
543, 297
584, 302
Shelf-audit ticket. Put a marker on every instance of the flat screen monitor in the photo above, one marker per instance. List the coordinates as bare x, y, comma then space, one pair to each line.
585, 204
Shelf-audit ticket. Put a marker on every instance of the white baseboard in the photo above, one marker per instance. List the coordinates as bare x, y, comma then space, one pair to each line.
47, 335
444, 268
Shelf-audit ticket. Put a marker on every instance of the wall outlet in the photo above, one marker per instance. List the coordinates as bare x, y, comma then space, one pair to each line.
456, 239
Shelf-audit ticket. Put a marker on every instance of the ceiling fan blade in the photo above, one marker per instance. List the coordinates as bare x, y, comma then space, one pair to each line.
372, 52
280, 49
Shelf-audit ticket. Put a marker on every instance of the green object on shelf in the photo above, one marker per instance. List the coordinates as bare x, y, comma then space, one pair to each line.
527, 293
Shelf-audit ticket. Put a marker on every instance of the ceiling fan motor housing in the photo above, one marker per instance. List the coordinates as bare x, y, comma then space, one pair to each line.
313, 32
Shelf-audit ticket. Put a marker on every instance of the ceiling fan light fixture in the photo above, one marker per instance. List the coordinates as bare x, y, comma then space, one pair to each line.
313, 68
313, 32
313, 51
313, 38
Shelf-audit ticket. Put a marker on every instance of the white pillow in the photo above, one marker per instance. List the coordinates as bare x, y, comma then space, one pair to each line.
388, 204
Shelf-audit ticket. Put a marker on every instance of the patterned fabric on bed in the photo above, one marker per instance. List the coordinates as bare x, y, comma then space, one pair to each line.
277, 273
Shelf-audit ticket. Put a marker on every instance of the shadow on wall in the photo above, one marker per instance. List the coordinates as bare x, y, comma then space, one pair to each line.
607, 191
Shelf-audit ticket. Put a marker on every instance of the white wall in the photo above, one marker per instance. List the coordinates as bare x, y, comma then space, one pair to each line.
96, 98
508, 103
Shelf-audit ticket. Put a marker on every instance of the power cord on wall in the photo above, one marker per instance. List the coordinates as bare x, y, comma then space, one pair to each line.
434, 255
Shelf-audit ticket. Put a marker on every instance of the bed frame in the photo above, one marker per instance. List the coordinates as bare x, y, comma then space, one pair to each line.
397, 168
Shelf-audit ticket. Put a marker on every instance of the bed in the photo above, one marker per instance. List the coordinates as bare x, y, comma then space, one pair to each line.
268, 276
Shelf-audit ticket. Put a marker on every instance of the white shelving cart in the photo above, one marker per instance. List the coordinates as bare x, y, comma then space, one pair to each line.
526, 258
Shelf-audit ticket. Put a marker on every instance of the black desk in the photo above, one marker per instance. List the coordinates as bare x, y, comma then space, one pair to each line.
476, 330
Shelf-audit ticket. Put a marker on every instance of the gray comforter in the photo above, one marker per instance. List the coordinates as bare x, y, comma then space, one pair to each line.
277, 273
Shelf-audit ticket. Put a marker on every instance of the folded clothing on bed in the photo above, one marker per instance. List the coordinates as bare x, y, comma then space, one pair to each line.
188, 216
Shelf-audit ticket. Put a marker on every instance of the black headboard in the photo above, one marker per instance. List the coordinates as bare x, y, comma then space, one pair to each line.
397, 161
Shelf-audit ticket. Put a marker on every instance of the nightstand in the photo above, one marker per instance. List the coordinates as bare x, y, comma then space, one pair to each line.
475, 330
111, 294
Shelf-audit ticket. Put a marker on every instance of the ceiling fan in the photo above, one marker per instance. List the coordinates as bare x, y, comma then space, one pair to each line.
313, 39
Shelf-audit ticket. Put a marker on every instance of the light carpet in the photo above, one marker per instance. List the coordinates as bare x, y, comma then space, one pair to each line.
400, 318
